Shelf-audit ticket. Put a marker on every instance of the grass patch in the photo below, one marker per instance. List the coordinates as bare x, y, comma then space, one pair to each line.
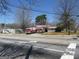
57, 33
78, 33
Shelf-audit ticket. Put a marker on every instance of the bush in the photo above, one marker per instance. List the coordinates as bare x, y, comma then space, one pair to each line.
19, 31
58, 29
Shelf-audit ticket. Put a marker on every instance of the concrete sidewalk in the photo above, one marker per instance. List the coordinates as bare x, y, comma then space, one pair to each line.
47, 39
39, 36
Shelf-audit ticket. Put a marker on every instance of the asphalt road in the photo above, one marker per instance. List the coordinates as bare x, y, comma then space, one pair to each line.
54, 55
46, 54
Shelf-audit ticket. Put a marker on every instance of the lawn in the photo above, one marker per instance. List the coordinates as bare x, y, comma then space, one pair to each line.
57, 33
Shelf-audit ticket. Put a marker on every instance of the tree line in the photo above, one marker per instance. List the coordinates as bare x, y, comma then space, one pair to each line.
66, 14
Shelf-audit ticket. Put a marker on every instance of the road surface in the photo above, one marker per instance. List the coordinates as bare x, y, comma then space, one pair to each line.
37, 42
54, 55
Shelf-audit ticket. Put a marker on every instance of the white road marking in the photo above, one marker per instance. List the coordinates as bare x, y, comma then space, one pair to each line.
70, 52
49, 49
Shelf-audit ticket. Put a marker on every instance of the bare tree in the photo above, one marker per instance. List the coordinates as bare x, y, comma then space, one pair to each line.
23, 15
4, 6
67, 12
23, 18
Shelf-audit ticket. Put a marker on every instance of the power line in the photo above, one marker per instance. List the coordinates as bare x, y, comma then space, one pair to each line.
32, 9
36, 10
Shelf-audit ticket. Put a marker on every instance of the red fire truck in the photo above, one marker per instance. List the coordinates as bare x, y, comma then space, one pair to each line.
30, 30
33, 30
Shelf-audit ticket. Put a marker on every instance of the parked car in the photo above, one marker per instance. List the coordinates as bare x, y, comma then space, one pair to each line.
8, 31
